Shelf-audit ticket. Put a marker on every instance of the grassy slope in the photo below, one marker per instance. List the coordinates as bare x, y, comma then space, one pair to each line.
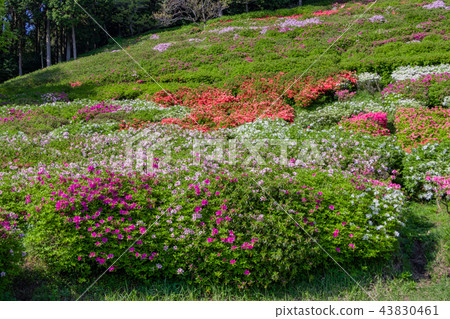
220, 57
419, 270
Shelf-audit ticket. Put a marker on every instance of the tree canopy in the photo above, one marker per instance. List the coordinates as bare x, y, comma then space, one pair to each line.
38, 33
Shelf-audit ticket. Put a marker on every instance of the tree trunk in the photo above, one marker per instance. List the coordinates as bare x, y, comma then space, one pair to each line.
36, 41
20, 34
60, 46
68, 53
42, 56
20, 56
74, 42
300, 3
49, 48
246, 7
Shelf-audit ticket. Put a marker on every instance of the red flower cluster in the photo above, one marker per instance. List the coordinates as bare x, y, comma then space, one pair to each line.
422, 126
295, 16
307, 91
325, 13
253, 98
266, 18
76, 84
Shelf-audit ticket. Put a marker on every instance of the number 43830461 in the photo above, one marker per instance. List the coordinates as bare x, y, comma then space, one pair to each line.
408, 310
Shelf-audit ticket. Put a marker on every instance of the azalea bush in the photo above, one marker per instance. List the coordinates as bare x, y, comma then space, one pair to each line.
369, 82
13, 115
218, 229
11, 251
90, 112
415, 72
391, 103
329, 150
429, 89
369, 123
335, 150
332, 114
422, 165
30, 122
54, 97
421, 126
253, 98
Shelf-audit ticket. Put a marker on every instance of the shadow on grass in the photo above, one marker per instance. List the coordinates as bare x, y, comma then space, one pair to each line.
395, 279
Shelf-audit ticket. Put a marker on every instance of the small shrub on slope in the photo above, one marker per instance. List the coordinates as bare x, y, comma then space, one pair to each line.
424, 163
421, 126
429, 89
10, 247
370, 123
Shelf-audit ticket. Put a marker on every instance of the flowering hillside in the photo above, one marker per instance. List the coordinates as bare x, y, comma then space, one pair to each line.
264, 148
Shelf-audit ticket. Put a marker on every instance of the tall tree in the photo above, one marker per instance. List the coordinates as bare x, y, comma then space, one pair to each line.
48, 38
5, 31
67, 14
17, 15
197, 11
246, 3
133, 16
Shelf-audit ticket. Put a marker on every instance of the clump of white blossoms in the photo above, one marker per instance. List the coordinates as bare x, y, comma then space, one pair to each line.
415, 72
263, 128
394, 101
369, 82
333, 113
446, 102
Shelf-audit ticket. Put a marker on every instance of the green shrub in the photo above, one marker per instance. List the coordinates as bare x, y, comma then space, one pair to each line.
422, 126
437, 93
11, 251
423, 161
217, 230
